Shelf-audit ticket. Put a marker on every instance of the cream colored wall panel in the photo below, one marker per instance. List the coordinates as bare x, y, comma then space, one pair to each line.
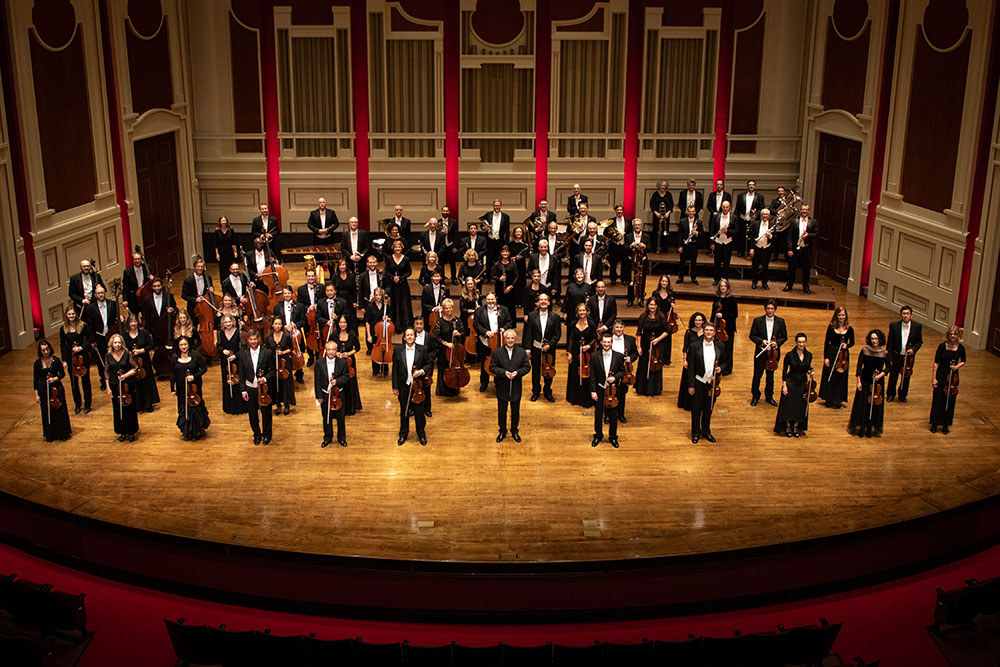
942, 316
81, 248
54, 316
885, 246
304, 198
112, 247
946, 272
415, 197
230, 199
512, 199
914, 257
881, 289
49, 277
904, 297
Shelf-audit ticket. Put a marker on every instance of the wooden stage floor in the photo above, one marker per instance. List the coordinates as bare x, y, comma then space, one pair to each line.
550, 498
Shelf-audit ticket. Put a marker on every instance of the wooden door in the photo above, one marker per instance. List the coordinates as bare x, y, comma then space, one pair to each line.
993, 332
836, 204
159, 203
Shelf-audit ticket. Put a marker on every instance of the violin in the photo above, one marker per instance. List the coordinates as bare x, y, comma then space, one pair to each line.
193, 397
720, 327
232, 374
263, 393
611, 396
335, 401
125, 394
716, 389
79, 367
771, 362
629, 378
282, 366
351, 371
908, 365
655, 362
952, 388
54, 401
584, 369
382, 346
811, 394
456, 375
548, 365
840, 365
417, 392
672, 321
877, 393
140, 368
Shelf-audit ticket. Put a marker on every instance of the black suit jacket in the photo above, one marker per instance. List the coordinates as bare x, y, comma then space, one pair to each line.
716, 222
597, 375
364, 244
684, 228
302, 294
631, 349
189, 290
365, 287
741, 204
758, 332
422, 359
130, 286
696, 360
812, 228
479, 246
630, 239
425, 243
257, 227
554, 275
533, 329
265, 367
894, 338
340, 307
713, 208
427, 299
298, 314
452, 233
500, 363
252, 262
573, 203
596, 267
314, 225
151, 315
699, 202
550, 216
92, 317
487, 225
76, 286
404, 231
321, 377
610, 312
227, 286
481, 321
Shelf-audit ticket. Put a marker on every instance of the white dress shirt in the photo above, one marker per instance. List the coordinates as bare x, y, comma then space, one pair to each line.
543, 318
495, 226
723, 236
411, 351
260, 261
88, 285
606, 358
904, 331
708, 350
102, 308
769, 326
199, 284
254, 359
237, 285
618, 344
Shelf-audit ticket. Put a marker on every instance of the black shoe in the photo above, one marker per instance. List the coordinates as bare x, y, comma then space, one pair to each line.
550, 398
754, 401
324, 443
300, 381
595, 441
786, 288
807, 291
482, 387
710, 437
902, 400
516, 436
715, 282
266, 441
680, 279
343, 443
501, 435
454, 281
121, 438
256, 440
788, 432
770, 401
753, 285
131, 437
614, 442
77, 409
86, 411
764, 285
694, 281
694, 439
423, 439
631, 304
401, 440
890, 399
286, 407
622, 419
534, 397
944, 429
796, 432
310, 362
933, 428
606, 420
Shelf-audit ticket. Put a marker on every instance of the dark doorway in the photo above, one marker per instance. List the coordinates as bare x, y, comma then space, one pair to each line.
5, 341
993, 332
159, 202
836, 204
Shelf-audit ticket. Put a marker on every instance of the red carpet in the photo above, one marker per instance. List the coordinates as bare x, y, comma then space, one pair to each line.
885, 621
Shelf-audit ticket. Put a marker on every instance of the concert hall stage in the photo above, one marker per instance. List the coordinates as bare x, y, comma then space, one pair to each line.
550, 528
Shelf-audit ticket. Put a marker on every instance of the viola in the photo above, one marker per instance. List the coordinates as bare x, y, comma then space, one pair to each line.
125, 394
716, 389
193, 397
771, 362
952, 388
417, 392
54, 402
611, 396
908, 365
382, 346
205, 312
720, 328
811, 394
335, 401
655, 362
672, 321
840, 365
629, 378
456, 375
877, 393
146, 289
548, 364
351, 370
232, 373
282, 366
584, 359
79, 367
263, 393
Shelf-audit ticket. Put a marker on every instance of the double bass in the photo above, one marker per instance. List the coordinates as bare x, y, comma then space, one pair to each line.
456, 375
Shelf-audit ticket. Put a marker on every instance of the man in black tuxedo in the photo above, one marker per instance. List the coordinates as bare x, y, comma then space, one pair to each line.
100, 316
777, 202
590, 262
309, 295
135, 278
322, 223
905, 339
607, 368
331, 372
265, 228
369, 281
636, 239
236, 283
661, 205
538, 222
159, 305
541, 335
293, 316
576, 243
474, 241
432, 295
490, 320
496, 228
703, 363
259, 265
801, 234
689, 232
255, 365
195, 287
449, 227
509, 364
355, 245
603, 308
397, 220
410, 361
432, 240
574, 201
691, 197
548, 266
761, 246
617, 250
625, 345
329, 308
767, 331
722, 228
748, 206
81, 285
718, 196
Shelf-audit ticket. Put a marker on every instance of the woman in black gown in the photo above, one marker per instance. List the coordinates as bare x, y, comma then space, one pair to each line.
581, 337
472, 268
74, 339
188, 367
229, 346
346, 285
531, 292
427, 270
448, 331
48, 373
505, 278
347, 348
867, 416
691, 336
519, 250
279, 345
469, 300
793, 409
397, 286
839, 336
725, 308
665, 303
377, 314
651, 334
140, 343
950, 357
119, 374
225, 245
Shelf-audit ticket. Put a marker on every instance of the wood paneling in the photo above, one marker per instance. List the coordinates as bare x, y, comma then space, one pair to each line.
159, 202
749, 63
845, 65
993, 332
149, 75
247, 108
5, 337
837, 172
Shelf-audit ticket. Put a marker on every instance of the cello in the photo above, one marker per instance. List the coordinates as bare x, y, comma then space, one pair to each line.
382, 347
313, 340
721, 334
456, 375
205, 311
298, 361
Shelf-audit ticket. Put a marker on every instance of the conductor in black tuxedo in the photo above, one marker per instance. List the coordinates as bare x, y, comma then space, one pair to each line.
322, 223
767, 331
265, 227
255, 365
905, 339
607, 368
801, 234
509, 364
703, 364
541, 334
409, 362
331, 372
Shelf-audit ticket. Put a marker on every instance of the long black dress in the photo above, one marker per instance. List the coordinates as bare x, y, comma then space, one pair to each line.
351, 395
58, 428
447, 332
126, 416
730, 311
577, 389
224, 242
691, 337
861, 424
232, 398
504, 298
146, 393
81, 338
944, 358
284, 388
648, 330
664, 304
400, 300
833, 386
347, 289
792, 407
475, 271
192, 420
519, 253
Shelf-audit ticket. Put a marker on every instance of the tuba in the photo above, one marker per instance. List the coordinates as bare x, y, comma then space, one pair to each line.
789, 211
610, 231
574, 225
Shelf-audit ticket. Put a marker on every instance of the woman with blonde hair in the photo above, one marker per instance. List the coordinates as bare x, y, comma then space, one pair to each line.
950, 357
119, 375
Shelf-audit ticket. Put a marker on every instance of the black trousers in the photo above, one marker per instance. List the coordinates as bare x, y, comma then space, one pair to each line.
453, 255
660, 233
701, 408
740, 238
256, 413
87, 391
620, 261
758, 370
622, 394
483, 354
689, 259
799, 260
600, 411
328, 419
101, 343
723, 254
895, 370
760, 263
404, 419
536, 372
515, 413
447, 257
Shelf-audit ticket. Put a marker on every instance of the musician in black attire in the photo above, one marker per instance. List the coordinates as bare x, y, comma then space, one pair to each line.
767, 332
355, 245
119, 374
538, 222
725, 308
578, 292
949, 357
378, 315
425, 338
256, 364
293, 316
549, 269
432, 240
489, 321
230, 342
265, 228
839, 336
722, 228
541, 335
689, 234
101, 315
509, 364
574, 201
134, 278
793, 410
603, 309
661, 206
74, 338
48, 372
905, 340
449, 332
225, 245
196, 286
449, 227
83, 284
140, 344
278, 345
235, 284
800, 236
308, 295
761, 247
322, 223
691, 197
607, 368
702, 368
625, 345
748, 208
637, 241
409, 362
329, 308
347, 349
867, 417
259, 267
692, 336
432, 296
188, 368
474, 241
401, 223
331, 372
717, 196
